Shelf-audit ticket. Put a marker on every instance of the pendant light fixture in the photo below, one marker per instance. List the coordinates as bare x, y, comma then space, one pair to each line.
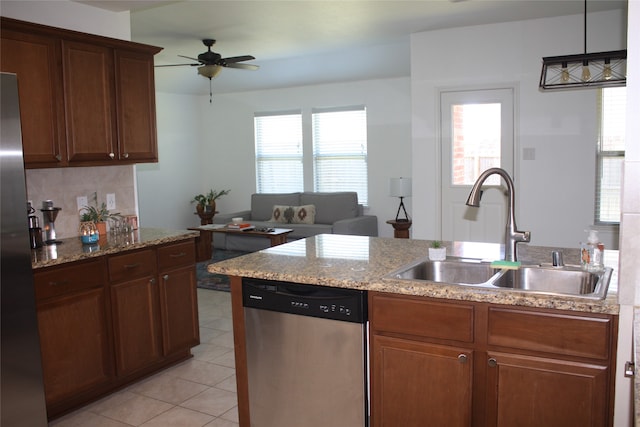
587, 70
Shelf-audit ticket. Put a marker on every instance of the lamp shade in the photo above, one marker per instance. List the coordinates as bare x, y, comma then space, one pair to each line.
400, 187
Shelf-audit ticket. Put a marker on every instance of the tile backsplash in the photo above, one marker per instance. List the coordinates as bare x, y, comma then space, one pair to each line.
65, 185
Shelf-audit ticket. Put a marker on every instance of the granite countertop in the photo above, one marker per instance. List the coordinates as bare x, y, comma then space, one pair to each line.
361, 262
72, 249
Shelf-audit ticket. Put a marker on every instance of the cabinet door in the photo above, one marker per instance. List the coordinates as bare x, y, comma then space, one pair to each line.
36, 61
420, 384
135, 91
74, 343
528, 391
136, 320
179, 302
89, 102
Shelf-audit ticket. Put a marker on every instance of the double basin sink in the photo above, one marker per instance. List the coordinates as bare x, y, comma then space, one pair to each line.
562, 281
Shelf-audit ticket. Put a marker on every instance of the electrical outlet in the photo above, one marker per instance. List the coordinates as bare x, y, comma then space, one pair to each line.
111, 201
81, 202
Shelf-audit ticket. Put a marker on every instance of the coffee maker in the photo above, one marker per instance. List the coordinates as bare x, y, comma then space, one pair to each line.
35, 232
49, 213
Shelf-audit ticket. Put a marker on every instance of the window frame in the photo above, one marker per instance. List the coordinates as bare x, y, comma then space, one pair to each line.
601, 156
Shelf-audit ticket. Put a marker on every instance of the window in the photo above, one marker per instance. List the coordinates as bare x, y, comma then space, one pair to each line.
278, 139
338, 145
610, 154
340, 150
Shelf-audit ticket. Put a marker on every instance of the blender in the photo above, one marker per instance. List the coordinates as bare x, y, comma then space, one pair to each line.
49, 213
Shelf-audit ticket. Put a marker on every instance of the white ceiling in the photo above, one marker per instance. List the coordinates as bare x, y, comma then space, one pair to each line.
305, 42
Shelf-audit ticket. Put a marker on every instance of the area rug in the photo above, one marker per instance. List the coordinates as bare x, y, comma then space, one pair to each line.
216, 282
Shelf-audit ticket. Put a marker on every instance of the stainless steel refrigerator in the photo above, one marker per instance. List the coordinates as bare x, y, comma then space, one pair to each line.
21, 391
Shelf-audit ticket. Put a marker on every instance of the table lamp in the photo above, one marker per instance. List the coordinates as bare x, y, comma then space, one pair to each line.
400, 187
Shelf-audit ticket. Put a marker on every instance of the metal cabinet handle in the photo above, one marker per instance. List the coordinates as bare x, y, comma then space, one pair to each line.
179, 255
152, 281
462, 358
130, 266
493, 363
58, 157
165, 277
112, 156
125, 155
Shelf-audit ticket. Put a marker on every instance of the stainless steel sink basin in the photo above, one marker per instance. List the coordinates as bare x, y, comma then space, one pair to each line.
565, 281
469, 272
562, 281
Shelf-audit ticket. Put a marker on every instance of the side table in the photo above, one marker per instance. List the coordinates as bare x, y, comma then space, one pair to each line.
400, 228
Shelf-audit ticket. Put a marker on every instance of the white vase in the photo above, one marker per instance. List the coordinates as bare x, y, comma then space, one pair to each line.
438, 254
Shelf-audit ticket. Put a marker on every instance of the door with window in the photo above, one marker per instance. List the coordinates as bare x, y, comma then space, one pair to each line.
477, 134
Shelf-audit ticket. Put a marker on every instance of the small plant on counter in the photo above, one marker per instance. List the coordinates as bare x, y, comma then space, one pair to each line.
96, 213
437, 251
436, 244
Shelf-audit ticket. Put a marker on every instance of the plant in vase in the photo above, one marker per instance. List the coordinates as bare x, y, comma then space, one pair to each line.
206, 204
437, 252
98, 214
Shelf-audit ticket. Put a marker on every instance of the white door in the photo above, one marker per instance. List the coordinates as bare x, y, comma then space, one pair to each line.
477, 134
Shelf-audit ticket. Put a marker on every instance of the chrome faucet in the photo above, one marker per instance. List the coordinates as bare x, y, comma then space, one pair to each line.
512, 235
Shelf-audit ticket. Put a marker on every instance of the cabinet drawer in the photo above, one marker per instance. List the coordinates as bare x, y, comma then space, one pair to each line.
177, 255
55, 281
133, 265
450, 321
558, 333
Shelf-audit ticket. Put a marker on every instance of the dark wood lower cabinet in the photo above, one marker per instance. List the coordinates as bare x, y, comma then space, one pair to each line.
136, 320
496, 365
111, 320
74, 343
527, 391
408, 372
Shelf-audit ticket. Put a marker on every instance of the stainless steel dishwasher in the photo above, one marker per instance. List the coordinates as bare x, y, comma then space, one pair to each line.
306, 354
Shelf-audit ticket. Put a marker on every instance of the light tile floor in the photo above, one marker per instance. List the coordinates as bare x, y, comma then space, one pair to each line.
200, 392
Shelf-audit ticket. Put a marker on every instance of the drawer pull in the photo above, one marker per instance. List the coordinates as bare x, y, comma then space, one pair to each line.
493, 363
130, 266
178, 255
462, 358
60, 283
165, 277
112, 156
152, 281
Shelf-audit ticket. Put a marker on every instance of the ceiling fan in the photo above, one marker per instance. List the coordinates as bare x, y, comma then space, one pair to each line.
210, 63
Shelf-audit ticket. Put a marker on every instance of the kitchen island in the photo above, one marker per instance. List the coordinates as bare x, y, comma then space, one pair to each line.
113, 312
488, 344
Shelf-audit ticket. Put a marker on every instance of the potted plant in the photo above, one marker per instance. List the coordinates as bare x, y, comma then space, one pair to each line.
206, 204
98, 214
437, 252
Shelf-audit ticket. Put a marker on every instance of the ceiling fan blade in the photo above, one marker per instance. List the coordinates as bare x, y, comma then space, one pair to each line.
242, 66
235, 59
178, 65
188, 57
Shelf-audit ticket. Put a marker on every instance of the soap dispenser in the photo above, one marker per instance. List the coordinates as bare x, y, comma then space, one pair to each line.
591, 253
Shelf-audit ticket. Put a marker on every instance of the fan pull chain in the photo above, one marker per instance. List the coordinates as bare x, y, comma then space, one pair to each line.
210, 92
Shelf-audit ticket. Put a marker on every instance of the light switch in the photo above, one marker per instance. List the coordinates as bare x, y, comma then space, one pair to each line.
81, 202
528, 153
111, 201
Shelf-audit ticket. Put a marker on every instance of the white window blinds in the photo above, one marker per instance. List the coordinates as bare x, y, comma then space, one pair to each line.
611, 147
340, 150
278, 139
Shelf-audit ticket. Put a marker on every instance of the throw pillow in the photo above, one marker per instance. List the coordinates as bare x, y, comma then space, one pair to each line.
293, 214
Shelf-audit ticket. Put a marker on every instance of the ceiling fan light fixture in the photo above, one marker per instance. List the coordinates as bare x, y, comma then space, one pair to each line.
209, 71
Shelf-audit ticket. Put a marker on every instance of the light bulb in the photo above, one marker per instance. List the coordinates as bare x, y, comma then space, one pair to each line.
564, 75
606, 73
586, 74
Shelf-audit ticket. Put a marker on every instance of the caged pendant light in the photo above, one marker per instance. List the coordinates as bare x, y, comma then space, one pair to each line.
587, 70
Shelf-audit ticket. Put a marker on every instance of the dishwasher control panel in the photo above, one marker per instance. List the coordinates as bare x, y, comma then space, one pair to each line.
348, 305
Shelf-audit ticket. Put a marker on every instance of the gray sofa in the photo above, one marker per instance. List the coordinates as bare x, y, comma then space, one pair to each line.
335, 213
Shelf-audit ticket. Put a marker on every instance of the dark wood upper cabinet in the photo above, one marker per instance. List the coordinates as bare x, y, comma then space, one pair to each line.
86, 100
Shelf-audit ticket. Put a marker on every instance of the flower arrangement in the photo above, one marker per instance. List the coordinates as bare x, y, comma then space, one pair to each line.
209, 199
